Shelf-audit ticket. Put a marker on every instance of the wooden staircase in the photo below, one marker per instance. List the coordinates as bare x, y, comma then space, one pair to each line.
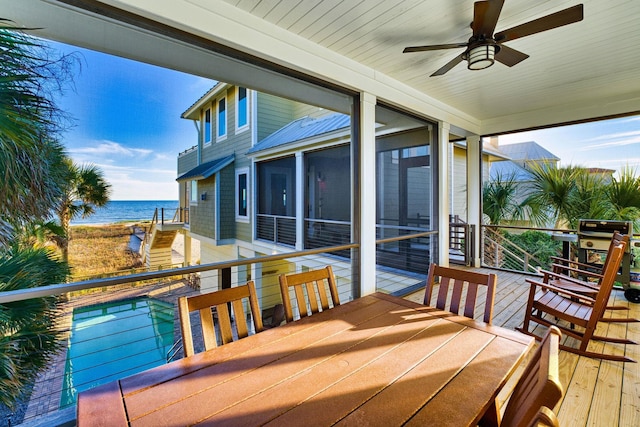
156, 248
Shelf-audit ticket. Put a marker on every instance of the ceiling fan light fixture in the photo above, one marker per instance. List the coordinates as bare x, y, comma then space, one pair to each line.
481, 57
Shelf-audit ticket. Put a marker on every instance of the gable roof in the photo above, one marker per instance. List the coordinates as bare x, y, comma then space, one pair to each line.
528, 151
205, 170
301, 129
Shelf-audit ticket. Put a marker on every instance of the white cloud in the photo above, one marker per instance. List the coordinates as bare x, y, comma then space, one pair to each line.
110, 148
619, 143
615, 135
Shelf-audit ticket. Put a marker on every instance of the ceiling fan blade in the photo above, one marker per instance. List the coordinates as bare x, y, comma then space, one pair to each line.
485, 17
433, 47
449, 65
549, 22
509, 56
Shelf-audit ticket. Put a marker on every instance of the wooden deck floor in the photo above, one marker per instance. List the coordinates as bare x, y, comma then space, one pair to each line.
596, 392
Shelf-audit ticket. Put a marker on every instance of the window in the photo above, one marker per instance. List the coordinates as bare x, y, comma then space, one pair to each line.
328, 197
242, 194
242, 109
194, 191
276, 183
206, 127
222, 118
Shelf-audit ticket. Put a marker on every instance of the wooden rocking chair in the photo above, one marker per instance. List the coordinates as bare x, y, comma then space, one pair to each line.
566, 275
550, 305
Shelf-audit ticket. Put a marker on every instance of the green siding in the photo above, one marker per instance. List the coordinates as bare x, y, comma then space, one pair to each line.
187, 161
227, 203
202, 214
273, 113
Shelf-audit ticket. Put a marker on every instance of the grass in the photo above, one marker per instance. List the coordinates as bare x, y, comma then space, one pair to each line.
97, 250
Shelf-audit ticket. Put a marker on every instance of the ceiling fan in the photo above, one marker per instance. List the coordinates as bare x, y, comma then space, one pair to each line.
484, 47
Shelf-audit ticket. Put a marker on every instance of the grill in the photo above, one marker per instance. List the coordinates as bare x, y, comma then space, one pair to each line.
596, 234
594, 238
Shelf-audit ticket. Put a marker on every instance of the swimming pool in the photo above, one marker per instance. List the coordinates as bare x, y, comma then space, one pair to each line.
113, 340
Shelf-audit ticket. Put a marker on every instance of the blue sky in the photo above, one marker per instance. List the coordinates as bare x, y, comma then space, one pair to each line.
609, 144
127, 122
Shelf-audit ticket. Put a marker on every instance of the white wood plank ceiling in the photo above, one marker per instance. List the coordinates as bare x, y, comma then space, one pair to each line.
582, 71
589, 63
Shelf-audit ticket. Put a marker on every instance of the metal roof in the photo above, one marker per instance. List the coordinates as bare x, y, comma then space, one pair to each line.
205, 170
527, 151
301, 129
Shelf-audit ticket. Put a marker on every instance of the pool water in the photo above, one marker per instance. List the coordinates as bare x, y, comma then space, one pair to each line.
114, 340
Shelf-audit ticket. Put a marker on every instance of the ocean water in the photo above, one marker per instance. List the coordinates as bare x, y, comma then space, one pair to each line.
129, 210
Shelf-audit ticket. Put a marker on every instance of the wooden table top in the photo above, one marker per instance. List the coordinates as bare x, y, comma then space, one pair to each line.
377, 360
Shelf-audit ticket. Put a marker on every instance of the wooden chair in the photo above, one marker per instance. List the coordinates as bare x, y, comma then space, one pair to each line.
550, 305
220, 301
566, 274
545, 418
453, 280
309, 289
539, 389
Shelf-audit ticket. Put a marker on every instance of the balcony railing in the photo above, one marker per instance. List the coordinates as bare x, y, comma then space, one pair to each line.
276, 228
523, 249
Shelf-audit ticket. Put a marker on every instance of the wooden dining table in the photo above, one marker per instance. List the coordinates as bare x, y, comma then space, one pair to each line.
377, 360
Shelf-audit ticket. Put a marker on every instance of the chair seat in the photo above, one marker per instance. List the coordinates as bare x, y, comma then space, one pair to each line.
563, 308
573, 287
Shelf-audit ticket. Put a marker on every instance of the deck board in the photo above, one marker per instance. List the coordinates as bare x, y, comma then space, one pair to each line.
597, 392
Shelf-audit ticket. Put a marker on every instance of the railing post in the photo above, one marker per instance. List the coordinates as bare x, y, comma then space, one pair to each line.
162, 216
275, 229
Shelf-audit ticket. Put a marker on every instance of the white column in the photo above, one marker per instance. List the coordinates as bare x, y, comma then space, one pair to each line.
300, 180
443, 194
210, 281
187, 249
474, 191
367, 193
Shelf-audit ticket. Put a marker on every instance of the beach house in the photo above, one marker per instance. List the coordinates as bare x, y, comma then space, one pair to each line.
406, 100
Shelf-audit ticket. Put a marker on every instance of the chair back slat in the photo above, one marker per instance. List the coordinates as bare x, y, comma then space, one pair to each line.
539, 386
456, 283
309, 290
207, 304
609, 275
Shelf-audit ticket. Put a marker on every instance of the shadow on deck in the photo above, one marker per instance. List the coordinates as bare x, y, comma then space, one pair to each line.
596, 392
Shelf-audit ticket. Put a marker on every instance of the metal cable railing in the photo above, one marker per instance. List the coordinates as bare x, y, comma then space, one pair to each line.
136, 315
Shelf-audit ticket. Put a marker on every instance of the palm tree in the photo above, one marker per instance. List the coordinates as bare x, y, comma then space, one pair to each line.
555, 188
29, 336
30, 152
31, 185
623, 195
84, 191
499, 199
500, 202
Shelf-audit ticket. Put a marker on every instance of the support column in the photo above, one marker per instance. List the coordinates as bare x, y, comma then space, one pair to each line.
474, 193
300, 214
187, 249
443, 193
210, 281
367, 203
